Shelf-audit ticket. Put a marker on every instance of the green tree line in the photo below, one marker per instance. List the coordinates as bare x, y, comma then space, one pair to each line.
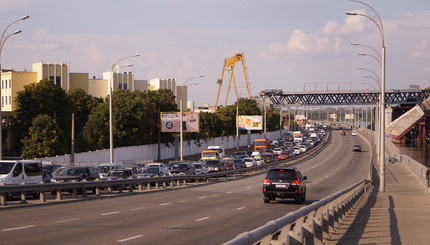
41, 124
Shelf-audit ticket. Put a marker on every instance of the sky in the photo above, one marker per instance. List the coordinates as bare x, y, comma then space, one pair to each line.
293, 45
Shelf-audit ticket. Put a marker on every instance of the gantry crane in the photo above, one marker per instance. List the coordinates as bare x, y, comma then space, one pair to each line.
229, 66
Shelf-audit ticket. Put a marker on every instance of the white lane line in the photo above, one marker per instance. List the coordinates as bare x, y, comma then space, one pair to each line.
164, 204
66, 220
202, 219
182, 201
130, 238
18, 228
135, 209
202, 197
229, 192
249, 187
116, 212
241, 208
175, 226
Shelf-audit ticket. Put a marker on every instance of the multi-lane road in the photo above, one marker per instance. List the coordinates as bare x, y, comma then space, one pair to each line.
208, 214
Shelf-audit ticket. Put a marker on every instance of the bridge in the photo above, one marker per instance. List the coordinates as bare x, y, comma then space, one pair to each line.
327, 98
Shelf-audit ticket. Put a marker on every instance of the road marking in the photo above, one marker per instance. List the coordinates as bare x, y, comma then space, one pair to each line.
241, 208
164, 204
116, 212
198, 220
182, 201
18, 228
175, 226
229, 192
66, 220
135, 209
249, 187
130, 238
202, 197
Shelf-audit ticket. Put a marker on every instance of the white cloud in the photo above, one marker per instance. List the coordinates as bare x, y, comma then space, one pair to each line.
50, 46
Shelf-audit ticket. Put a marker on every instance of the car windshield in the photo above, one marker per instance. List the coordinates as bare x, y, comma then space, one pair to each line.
6, 167
281, 174
150, 170
116, 173
179, 166
104, 169
212, 163
71, 171
197, 166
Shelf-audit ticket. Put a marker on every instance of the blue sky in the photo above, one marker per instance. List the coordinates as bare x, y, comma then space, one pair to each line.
293, 45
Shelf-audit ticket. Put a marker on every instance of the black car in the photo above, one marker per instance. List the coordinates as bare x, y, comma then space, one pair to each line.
284, 183
74, 173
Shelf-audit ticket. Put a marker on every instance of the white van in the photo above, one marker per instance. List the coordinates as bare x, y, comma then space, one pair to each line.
21, 171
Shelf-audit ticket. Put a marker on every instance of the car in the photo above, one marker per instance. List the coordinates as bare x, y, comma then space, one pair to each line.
74, 173
283, 156
341, 132
354, 133
226, 164
356, 148
238, 163
152, 172
303, 148
201, 167
103, 169
267, 157
284, 182
181, 168
214, 165
277, 151
249, 162
47, 176
116, 174
259, 161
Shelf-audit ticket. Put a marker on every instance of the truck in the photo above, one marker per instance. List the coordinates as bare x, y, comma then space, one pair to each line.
298, 136
209, 155
218, 148
261, 144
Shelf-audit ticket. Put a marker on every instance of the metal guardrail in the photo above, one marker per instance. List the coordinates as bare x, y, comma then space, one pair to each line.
139, 184
308, 225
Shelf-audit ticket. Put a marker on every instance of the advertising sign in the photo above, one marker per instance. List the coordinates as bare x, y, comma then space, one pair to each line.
250, 122
170, 122
349, 116
333, 116
300, 118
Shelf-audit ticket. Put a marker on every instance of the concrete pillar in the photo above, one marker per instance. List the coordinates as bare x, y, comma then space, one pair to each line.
388, 115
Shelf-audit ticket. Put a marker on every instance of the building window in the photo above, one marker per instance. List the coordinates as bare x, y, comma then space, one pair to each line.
10, 83
124, 86
2, 84
10, 100
56, 80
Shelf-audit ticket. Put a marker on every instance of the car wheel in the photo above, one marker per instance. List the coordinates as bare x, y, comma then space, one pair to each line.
266, 199
304, 198
298, 199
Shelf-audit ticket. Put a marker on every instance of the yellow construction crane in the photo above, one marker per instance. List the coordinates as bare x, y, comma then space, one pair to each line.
229, 67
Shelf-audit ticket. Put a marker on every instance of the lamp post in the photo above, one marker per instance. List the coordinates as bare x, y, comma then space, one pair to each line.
115, 67
181, 122
3, 39
378, 22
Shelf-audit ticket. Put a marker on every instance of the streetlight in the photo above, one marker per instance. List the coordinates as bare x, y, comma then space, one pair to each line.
115, 67
3, 39
181, 127
378, 22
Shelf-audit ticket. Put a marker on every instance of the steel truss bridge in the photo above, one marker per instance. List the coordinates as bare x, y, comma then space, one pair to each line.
329, 98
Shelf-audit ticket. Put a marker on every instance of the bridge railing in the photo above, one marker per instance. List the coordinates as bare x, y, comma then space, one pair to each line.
308, 225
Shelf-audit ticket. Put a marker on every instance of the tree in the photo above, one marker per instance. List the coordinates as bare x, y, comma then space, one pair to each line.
45, 138
43, 98
82, 105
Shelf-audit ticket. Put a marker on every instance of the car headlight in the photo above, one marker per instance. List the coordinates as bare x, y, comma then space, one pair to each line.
53, 180
2, 180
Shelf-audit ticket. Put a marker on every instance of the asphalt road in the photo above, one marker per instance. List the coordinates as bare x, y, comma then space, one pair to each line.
209, 214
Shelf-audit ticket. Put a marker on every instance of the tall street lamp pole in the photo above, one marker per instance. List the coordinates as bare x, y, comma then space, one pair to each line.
115, 68
3, 39
378, 22
181, 126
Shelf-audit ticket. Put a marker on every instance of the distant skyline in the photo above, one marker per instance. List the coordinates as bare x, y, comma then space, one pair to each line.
293, 45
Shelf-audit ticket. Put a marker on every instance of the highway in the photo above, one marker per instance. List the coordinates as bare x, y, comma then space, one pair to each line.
207, 214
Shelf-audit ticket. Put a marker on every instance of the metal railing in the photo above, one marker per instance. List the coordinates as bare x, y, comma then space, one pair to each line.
308, 225
141, 184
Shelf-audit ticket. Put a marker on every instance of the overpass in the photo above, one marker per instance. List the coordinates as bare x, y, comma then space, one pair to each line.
367, 97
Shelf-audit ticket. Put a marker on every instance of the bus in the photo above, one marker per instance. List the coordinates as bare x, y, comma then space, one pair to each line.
261, 144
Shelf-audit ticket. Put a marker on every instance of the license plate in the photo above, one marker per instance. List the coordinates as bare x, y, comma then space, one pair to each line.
281, 186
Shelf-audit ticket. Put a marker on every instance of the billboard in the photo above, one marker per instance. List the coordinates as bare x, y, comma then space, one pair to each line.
250, 122
300, 118
349, 116
170, 122
333, 116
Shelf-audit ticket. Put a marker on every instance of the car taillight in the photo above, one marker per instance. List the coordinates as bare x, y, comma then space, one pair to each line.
295, 182
267, 182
